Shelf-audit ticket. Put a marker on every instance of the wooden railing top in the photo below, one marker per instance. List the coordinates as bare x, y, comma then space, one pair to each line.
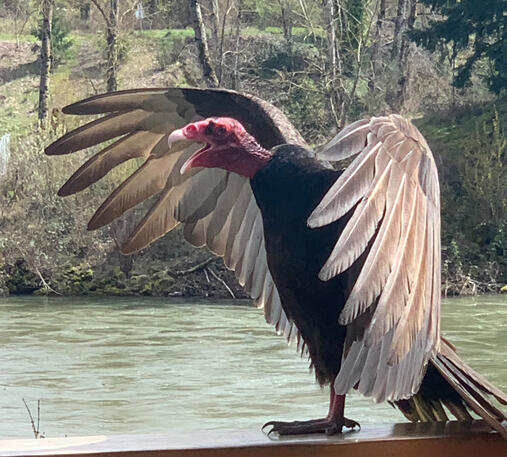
403, 440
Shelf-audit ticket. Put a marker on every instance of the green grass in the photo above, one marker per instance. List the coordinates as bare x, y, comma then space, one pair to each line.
247, 31
18, 114
18, 111
166, 33
296, 31
12, 37
448, 130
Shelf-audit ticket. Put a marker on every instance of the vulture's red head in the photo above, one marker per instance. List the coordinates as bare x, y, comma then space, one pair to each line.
228, 146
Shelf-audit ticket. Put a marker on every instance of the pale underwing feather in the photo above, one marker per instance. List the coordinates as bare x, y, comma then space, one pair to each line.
351, 140
115, 125
251, 253
377, 266
201, 196
359, 230
226, 202
146, 181
133, 145
397, 288
352, 185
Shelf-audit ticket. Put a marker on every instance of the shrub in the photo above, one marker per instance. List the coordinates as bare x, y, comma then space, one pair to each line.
60, 41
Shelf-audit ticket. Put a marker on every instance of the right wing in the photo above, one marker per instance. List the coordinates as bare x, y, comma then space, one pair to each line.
217, 208
391, 189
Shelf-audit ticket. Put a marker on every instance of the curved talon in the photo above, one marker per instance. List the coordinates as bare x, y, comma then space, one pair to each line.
267, 424
349, 423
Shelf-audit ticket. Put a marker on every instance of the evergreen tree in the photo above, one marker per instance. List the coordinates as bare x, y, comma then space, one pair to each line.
476, 26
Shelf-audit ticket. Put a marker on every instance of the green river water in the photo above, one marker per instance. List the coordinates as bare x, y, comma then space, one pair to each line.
133, 365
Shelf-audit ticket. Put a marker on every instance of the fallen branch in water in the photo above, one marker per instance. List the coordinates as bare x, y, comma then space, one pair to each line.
46, 286
193, 269
218, 278
44, 283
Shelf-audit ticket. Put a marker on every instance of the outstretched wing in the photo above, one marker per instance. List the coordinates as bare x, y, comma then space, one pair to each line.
217, 208
392, 189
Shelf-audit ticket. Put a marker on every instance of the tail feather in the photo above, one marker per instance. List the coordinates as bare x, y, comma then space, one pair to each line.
449, 352
451, 383
478, 394
480, 405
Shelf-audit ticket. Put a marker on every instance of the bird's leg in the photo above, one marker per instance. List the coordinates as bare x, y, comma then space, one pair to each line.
330, 425
335, 417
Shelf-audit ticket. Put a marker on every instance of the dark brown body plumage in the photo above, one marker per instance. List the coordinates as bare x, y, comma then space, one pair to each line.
287, 190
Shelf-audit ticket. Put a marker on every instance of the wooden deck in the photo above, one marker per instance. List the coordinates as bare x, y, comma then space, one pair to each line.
403, 440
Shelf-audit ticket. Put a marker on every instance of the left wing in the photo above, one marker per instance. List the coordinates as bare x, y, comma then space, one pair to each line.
217, 208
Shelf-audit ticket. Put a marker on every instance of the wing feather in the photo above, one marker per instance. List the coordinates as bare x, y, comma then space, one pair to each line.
397, 288
347, 190
391, 189
351, 141
378, 264
146, 181
359, 231
112, 126
131, 146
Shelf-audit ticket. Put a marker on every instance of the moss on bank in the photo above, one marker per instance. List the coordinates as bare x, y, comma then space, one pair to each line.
108, 280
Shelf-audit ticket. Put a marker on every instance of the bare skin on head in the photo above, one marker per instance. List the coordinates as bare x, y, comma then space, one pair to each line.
228, 146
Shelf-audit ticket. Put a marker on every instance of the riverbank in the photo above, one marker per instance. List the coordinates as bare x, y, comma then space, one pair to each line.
202, 275
44, 245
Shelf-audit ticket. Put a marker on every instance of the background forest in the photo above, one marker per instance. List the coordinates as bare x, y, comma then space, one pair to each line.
325, 63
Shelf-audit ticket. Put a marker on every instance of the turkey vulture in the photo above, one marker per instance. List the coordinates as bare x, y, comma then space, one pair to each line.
345, 263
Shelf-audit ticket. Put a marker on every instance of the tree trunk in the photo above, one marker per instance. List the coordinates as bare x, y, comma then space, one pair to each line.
404, 63
286, 22
45, 58
202, 45
334, 88
377, 39
112, 47
214, 21
221, 51
398, 26
235, 74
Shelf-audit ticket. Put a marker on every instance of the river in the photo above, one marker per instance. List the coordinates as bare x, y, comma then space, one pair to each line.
134, 365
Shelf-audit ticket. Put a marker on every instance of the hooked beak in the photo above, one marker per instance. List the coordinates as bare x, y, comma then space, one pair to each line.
193, 160
176, 135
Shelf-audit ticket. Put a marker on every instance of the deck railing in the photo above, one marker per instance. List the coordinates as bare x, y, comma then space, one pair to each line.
398, 440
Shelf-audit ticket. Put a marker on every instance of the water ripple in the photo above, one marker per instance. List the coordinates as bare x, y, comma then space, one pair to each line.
131, 365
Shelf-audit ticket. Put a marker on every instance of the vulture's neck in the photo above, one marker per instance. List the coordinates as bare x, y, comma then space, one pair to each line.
256, 157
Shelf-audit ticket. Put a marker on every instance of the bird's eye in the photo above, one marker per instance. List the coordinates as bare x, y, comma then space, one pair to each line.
221, 130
